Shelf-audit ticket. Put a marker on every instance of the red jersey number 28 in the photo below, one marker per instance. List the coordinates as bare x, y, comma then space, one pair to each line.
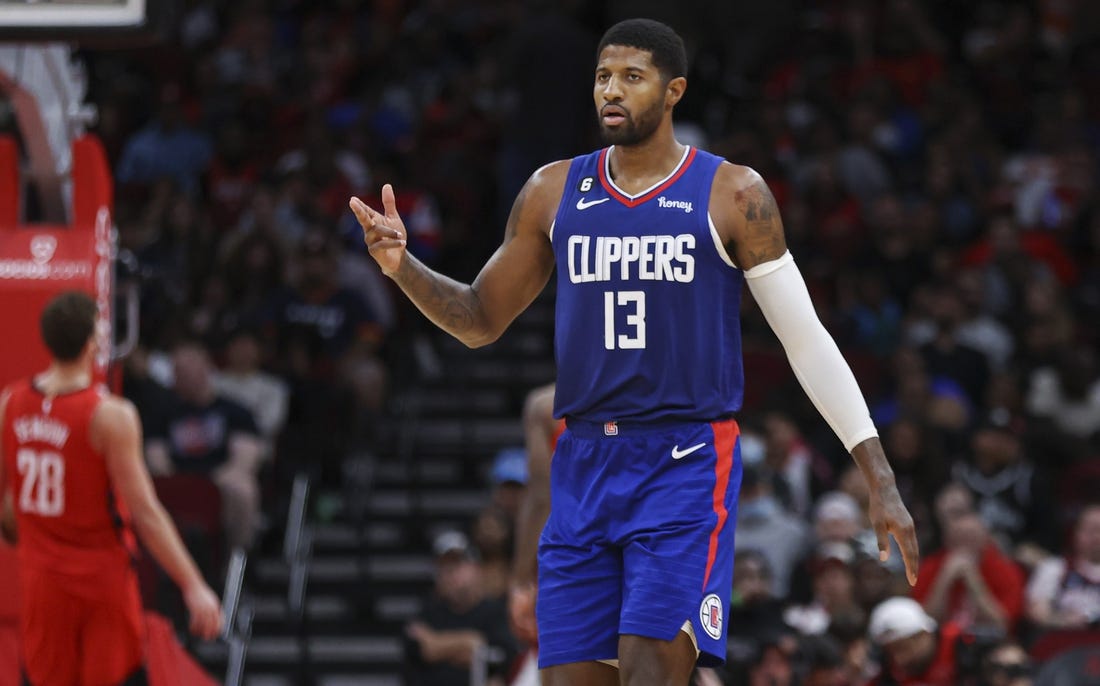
43, 491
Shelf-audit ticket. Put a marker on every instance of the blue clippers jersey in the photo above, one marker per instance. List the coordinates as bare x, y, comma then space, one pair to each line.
648, 304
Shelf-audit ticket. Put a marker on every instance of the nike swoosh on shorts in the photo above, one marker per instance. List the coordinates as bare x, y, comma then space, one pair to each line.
679, 454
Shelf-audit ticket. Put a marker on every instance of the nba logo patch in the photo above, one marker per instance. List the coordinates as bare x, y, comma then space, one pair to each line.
610, 429
710, 616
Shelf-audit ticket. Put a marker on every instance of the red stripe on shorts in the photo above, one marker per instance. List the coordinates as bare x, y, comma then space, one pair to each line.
725, 436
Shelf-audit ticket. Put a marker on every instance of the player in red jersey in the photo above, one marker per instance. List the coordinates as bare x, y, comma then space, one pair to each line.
71, 452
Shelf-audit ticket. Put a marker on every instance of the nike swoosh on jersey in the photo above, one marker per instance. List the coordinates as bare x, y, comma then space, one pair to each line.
582, 205
679, 454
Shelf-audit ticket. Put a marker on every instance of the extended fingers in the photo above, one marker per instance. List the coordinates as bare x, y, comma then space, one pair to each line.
882, 534
906, 537
389, 202
361, 211
375, 225
368, 216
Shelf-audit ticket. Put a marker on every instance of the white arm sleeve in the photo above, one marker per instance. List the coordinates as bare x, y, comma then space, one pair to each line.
827, 379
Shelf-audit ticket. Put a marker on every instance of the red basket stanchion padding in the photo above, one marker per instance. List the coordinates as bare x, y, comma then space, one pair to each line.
9, 183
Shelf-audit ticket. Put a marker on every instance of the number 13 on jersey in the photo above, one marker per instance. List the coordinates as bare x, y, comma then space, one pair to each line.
633, 337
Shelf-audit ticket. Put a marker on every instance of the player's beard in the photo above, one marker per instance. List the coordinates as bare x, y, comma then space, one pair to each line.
633, 131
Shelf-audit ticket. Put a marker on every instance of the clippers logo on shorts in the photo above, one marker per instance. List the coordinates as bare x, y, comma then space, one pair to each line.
610, 429
710, 615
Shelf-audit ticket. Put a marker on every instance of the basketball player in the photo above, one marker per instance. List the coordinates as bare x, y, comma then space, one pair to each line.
652, 240
73, 453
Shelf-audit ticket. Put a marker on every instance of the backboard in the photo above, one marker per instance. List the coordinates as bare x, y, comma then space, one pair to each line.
95, 21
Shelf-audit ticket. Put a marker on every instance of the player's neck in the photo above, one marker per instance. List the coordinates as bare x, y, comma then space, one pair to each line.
64, 377
654, 157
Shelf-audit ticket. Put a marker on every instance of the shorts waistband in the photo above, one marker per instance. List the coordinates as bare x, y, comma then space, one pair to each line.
590, 429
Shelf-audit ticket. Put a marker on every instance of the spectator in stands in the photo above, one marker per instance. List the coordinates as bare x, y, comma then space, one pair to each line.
1007, 664
915, 650
800, 474
875, 581
508, 480
970, 582
978, 328
920, 468
938, 402
837, 519
772, 665
945, 355
822, 661
1064, 592
833, 591
1068, 393
763, 524
458, 624
244, 381
1010, 494
167, 148
953, 501
492, 537
328, 341
233, 174
201, 432
872, 315
755, 611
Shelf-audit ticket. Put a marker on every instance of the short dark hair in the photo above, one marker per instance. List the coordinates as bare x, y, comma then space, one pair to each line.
67, 323
660, 40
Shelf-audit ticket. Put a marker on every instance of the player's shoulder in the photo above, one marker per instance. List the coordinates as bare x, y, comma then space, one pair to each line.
734, 186
115, 411
550, 177
538, 201
736, 177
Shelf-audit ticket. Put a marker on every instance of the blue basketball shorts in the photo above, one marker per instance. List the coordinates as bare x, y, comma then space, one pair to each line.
639, 538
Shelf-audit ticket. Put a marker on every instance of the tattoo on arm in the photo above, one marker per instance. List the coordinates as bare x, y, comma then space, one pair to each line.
453, 306
763, 236
449, 304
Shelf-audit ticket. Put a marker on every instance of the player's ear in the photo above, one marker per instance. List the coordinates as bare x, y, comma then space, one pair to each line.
674, 90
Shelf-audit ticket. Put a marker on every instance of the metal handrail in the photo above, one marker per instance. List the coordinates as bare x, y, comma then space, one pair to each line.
236, 618
238, 645
296, 518
231, 596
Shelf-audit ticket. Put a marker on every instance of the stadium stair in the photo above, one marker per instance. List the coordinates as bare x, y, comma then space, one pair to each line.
370, 566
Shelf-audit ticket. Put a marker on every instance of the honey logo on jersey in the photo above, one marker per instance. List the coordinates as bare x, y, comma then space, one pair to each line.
684, 205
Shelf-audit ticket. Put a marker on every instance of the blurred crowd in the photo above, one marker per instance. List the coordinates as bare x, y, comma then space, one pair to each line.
936, 167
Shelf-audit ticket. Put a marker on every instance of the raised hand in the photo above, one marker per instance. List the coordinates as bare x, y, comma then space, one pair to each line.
384, 234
